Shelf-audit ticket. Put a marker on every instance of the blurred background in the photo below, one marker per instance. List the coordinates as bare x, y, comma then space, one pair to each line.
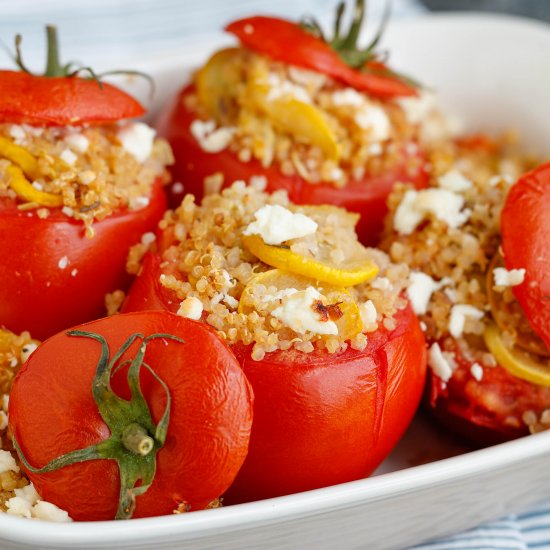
108, 32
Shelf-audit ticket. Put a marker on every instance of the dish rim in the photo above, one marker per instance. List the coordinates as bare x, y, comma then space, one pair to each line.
188, 527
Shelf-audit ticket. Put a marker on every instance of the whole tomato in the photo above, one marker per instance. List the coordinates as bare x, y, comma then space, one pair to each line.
53, 276
168, 432
319, 418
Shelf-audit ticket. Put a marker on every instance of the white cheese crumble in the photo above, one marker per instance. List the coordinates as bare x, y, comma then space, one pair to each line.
347, 96
63, 262
191, 308
440, 203
276, 224
375, 120
137, 203
7, 462
309, 79
441, 362
209, 138
454, 180
417, 108
279, 88
68, 157
68, 211
77, 142
420, 290
27, 503
476, 370
49, 512
258, 182
368, 314
296, 311
27, 351
459, 313
137, 139
17, 133
505, 277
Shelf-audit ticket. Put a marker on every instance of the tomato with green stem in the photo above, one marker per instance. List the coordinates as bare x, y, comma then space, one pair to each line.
319, 418
131, 416
339, 58
52, 275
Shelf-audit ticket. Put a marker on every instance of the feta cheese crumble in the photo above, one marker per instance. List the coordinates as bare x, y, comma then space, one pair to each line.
368, 314
68, 157
276, 224
209, 138
454, 180
77, 142
280, 89
441, 362
459, 313
476, 370
191, 308
296, 311
137, 139
440, 203
504, 277
7, 462
420, 290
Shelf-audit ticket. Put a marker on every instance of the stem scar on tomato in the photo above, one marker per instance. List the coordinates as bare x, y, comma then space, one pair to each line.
135, 439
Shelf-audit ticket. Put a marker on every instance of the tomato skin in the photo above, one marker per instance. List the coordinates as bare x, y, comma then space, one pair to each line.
483, 411
322, 419
62, 101
52, 412
287, 42
36, 294
366, 197
525, 235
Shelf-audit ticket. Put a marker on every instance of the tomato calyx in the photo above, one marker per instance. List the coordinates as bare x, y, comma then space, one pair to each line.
369, 59
54, 67
135, 439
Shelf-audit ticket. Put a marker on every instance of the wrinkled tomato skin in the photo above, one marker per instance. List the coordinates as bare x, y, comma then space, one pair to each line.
488, 411
37, 294
322, 419
525, 226
52, 412
366, 197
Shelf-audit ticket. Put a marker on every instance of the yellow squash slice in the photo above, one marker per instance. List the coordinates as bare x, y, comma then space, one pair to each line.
350, 273
516, 361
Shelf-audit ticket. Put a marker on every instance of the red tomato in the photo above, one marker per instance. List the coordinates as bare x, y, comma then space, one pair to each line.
39, 294
52, 411
62, 101
319, 419
287, 42
487, 411
366, 197
525, 236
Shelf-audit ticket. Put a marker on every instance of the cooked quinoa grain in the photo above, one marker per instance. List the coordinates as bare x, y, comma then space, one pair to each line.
209, 265
95, 170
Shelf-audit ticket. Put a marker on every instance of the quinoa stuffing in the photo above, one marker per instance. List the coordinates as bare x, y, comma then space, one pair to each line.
88, 172
335, 134
17, 496
449, 236
215, 276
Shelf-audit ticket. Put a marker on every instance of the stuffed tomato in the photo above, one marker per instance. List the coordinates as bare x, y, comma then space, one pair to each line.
79, 183
332, 350
326, 121
475, 243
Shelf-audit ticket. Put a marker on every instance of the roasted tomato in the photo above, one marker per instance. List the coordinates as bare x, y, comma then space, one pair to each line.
321, 417
131, 416
69, 204
320, 120
481, 289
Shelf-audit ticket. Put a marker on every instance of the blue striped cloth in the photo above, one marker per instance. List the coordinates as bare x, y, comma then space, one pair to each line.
112, 31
